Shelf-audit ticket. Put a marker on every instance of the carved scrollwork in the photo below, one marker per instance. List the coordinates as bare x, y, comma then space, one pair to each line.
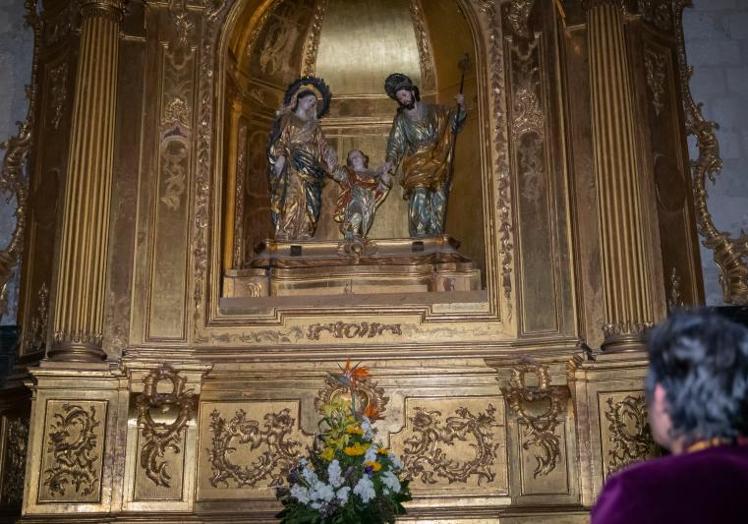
539, 428
37, 336
519, 14
730, 254
428, 75
181, 20
341, 329
674, 300
72, 443
213, 17
629, 432
14, 463
654, 66
14, 180
367, 391
657, 12
425, 458
160, 437
239, 196
58, 79
273, 437
311, 46
490, 9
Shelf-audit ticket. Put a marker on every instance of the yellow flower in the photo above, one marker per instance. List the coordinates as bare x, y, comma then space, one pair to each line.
354, 429
383, 451
327, 454
355, 450
375, 466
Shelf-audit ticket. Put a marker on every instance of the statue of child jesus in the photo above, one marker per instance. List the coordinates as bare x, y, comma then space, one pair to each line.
361, 191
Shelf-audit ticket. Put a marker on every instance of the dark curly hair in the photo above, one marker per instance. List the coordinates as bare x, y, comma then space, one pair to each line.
700, 358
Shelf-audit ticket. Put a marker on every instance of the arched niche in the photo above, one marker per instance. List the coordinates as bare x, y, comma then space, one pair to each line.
353, 45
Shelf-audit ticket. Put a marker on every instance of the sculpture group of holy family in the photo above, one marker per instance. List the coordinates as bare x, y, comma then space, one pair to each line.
420, 144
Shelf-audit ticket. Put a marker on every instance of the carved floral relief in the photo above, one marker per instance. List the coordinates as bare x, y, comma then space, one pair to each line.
72, 461
160, 438
629, 437
249, 452
539, 425
14, 462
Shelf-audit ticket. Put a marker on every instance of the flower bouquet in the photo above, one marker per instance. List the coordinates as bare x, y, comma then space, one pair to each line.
347, 477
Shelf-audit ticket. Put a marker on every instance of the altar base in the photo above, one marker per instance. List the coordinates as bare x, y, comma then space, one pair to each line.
343, 267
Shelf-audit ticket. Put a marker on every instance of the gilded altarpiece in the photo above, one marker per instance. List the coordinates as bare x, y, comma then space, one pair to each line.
497, 397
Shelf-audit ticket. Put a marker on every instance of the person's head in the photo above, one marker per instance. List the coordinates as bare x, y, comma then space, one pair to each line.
697, 384
306, 100
407, 97
400, 87
357, 160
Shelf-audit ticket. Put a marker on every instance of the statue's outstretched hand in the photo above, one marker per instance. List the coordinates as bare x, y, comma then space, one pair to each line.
331, 158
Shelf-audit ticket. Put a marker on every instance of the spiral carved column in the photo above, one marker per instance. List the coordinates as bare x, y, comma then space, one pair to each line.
79, 301
628, 307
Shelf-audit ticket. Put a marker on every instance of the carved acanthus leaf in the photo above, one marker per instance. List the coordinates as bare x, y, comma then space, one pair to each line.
341, 329
426, 455
160, 437
629, 433
273, 438
539, 427
72, 443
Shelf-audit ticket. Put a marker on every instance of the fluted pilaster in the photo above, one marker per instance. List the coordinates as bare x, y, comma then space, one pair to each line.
79, 301
628, 307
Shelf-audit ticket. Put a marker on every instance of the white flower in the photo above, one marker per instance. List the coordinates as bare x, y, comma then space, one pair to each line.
322, 491
316, 505
365, 489
368, 429
391, 481
395, 461
371, 454
300, 493
309, 475
333, 474
343, 493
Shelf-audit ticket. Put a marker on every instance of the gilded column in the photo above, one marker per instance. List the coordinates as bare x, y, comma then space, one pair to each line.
79, 300
628, 307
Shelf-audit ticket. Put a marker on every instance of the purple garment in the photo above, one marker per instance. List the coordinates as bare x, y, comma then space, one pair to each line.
700, 487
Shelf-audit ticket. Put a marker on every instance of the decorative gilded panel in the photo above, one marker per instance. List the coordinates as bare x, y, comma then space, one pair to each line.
626, 438
16, 435
72, 457
539, 413
247, 448
452, 444
170, 236
165, 408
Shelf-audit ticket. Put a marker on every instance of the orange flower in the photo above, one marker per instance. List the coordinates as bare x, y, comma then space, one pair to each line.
355, 450
357, 372
375, 466
383, 451
371, 412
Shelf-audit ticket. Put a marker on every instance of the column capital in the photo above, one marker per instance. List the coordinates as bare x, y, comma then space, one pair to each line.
112, 9
591, 4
